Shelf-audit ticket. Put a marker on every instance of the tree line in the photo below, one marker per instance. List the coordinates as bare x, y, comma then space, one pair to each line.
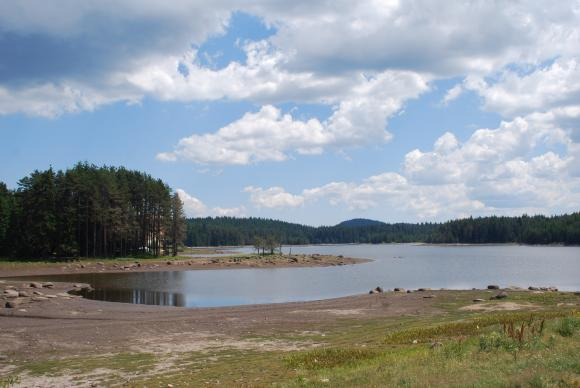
563, 229
90, 211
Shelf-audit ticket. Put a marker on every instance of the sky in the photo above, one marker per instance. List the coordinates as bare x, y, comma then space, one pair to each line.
309, 112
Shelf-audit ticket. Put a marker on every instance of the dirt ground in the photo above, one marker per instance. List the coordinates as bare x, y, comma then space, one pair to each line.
64, 325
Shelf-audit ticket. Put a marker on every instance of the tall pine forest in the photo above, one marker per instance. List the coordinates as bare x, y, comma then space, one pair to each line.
90, 211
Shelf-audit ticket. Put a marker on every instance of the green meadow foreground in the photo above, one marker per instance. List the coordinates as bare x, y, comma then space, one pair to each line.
422, 338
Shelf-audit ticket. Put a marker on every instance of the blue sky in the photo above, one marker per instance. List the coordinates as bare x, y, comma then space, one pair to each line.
259, 110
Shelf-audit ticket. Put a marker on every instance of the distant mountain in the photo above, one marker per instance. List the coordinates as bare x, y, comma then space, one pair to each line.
359, 223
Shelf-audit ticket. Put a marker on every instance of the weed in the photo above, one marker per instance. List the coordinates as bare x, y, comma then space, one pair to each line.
6, 382
329, 358
568, 326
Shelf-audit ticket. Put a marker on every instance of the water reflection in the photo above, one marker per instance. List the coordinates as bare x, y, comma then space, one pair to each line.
140, 296
397, 265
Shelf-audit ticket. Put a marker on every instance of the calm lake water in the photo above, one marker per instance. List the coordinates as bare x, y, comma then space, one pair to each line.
397, 265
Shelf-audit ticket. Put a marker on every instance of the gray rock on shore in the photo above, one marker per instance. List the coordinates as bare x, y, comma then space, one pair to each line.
501, 295
10, 293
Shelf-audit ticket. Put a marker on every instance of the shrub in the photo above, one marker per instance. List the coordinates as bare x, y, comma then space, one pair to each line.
568, 326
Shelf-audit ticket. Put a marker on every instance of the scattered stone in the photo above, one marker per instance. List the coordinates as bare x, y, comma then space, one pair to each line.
493, 287
48, 285
23, 294
39, 298
428, 296
399, 289
12, 304
9, 293
373, 292
476, 300
169, 263
409, 291
82, 266
100, 263
36, 285
436, 345
415, 341
3, 357
379, 289
51, 296
501, 295
553, 289
37, 293
531, 288
423, 289
63, 294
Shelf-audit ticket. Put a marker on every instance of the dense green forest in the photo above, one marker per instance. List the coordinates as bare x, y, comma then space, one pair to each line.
563, 229
89, 211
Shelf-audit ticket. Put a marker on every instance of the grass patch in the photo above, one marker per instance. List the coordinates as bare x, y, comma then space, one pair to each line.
467, 327
329, 358
123, 362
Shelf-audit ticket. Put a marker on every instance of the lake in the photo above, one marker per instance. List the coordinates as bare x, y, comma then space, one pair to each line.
395, 265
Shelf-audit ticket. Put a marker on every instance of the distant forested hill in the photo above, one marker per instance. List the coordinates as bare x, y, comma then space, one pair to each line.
358, 222
563, 229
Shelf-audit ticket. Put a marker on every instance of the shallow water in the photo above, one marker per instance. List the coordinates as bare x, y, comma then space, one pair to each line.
394, 265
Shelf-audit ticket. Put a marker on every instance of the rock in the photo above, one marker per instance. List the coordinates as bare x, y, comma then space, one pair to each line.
39, 298
48, 285
11, 293
37, 293
436, 345
501, 295
373, 292
577, 293
428, 296
476, 300
23, 294
493, 287
552, 289
409, 291
379, 289
100, 263
36, 285
51, 296
531, 288
12, 304
3, 357
63, 294
169, 263
423, 289
399, 289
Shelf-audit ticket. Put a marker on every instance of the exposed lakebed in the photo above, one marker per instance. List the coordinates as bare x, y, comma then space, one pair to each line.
393, 265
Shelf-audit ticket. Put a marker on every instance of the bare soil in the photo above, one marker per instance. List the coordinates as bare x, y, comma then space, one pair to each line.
59, 325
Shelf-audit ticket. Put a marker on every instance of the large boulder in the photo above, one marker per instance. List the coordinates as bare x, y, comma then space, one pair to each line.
36, 285
399, 289
11, 293
493, 287
48, 285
